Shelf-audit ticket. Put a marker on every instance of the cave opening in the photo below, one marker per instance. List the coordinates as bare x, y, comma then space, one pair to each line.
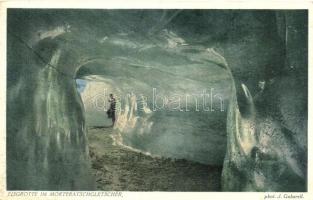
187, 131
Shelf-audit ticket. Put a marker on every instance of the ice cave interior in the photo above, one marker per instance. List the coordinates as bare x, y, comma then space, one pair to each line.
219, 87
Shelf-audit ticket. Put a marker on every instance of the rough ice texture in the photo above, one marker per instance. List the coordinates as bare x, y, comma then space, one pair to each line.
267, 129
46, 133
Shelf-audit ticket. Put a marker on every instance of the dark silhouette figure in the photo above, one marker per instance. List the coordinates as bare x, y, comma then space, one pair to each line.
111, 110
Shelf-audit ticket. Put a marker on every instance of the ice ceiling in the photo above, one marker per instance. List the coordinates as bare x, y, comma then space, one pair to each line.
245, 56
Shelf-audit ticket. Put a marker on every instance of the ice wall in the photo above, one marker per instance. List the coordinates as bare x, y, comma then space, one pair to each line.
46, 133
267, 127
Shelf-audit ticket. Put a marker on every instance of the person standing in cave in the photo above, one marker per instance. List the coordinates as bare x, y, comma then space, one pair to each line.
111, 110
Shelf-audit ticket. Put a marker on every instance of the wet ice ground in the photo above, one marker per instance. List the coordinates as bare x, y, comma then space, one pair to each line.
120, 169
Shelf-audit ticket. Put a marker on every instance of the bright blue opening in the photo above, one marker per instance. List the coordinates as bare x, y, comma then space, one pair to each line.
81, 85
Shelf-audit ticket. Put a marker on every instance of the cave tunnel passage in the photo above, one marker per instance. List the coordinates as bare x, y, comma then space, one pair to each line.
143, 64
176, 111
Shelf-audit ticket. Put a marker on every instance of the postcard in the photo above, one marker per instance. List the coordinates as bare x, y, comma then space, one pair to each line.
138, 100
